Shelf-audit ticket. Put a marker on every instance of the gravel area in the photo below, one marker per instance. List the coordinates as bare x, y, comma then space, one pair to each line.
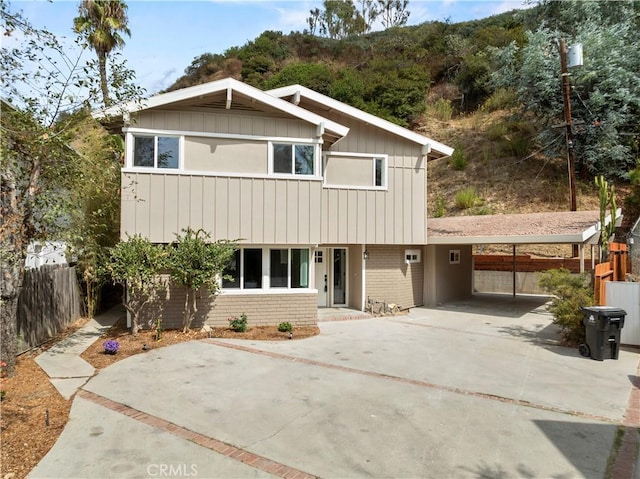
551, 224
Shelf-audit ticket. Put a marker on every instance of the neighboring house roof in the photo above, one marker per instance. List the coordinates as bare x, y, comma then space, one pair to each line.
433, 149
222, 94
565, 227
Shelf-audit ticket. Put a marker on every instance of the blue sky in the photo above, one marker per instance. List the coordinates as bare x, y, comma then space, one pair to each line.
167, 35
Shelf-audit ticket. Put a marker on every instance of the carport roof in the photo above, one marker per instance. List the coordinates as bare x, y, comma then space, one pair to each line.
565, 227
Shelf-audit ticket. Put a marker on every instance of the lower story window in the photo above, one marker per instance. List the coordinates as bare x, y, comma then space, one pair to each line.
252, 268
299, 268
279, 261
287, 268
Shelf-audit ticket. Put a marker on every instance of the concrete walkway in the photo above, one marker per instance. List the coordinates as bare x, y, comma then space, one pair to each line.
66, 369
447, 392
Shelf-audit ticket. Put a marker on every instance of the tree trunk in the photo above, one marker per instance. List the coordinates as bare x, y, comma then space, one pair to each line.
190, 309
11, 275
102, 64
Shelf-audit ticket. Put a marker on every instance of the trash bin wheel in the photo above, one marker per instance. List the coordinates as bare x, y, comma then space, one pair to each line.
584, 350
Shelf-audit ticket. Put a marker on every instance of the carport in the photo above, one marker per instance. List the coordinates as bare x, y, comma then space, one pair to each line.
449, 266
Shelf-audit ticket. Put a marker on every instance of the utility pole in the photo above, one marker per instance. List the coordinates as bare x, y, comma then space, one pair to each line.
566, 92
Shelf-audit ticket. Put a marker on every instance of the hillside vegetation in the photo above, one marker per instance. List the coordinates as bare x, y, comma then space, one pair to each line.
490, 88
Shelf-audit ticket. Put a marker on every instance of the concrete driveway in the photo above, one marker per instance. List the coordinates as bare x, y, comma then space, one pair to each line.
476, 389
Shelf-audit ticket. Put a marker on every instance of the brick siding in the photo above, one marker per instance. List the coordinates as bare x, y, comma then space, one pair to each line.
390, 279
261, 309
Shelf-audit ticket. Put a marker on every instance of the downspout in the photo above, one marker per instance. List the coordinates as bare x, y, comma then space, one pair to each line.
514, 270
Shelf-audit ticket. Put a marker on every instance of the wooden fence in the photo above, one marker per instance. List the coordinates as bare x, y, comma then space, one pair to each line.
615, 269
49, 302
523, 263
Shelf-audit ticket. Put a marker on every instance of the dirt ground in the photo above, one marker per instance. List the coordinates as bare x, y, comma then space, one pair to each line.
33, 413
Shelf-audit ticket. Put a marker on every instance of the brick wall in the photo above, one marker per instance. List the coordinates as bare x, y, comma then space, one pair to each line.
390, 279
261, 309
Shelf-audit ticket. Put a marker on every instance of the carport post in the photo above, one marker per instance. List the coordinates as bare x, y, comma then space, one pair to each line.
514, 270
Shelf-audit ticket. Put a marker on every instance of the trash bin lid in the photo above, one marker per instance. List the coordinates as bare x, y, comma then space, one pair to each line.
606, 311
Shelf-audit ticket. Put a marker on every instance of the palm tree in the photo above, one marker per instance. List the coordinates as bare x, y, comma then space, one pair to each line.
101, 22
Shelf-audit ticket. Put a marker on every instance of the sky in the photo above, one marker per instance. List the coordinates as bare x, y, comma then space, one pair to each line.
166, 36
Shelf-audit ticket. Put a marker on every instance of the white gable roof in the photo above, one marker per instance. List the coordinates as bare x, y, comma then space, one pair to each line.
299, 90
230, 85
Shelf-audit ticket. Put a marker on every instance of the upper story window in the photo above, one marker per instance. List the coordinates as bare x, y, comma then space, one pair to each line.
156, 151
355, 170
378, 172
293, 159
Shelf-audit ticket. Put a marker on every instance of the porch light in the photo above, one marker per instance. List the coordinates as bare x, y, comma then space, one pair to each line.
365, 255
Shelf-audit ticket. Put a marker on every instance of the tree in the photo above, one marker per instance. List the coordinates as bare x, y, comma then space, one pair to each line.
194, 263
95, 222
339, 19
36, 174
369, 12
393, 13
101, 22
316, 76
40, 174
605, 91
136, 264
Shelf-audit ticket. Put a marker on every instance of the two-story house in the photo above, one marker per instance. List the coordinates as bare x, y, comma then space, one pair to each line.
329, 202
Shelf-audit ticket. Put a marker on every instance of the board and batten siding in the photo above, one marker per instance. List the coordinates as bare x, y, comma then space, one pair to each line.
255, 210
232, 205
395, 216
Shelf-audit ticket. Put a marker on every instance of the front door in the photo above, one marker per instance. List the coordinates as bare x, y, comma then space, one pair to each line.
339, 276
322, 282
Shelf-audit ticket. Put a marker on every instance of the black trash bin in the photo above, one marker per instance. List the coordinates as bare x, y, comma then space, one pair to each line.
603, 325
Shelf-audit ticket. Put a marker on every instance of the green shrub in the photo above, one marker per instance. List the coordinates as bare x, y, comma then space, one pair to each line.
516, 145
239, 325
458, 159
501, 99
285, 327
441, 110
482, 210
466, 198
440, 207
570, 293
497, 131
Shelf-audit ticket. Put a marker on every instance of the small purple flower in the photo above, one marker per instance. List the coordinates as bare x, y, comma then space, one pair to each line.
111, 346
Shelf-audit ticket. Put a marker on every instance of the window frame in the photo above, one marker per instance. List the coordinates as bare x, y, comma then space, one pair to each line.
131, 139
383, 172
266, 272
294, 144
384, 159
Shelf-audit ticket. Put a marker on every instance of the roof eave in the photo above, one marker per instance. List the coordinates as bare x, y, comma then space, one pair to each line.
215, 87
533, 239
